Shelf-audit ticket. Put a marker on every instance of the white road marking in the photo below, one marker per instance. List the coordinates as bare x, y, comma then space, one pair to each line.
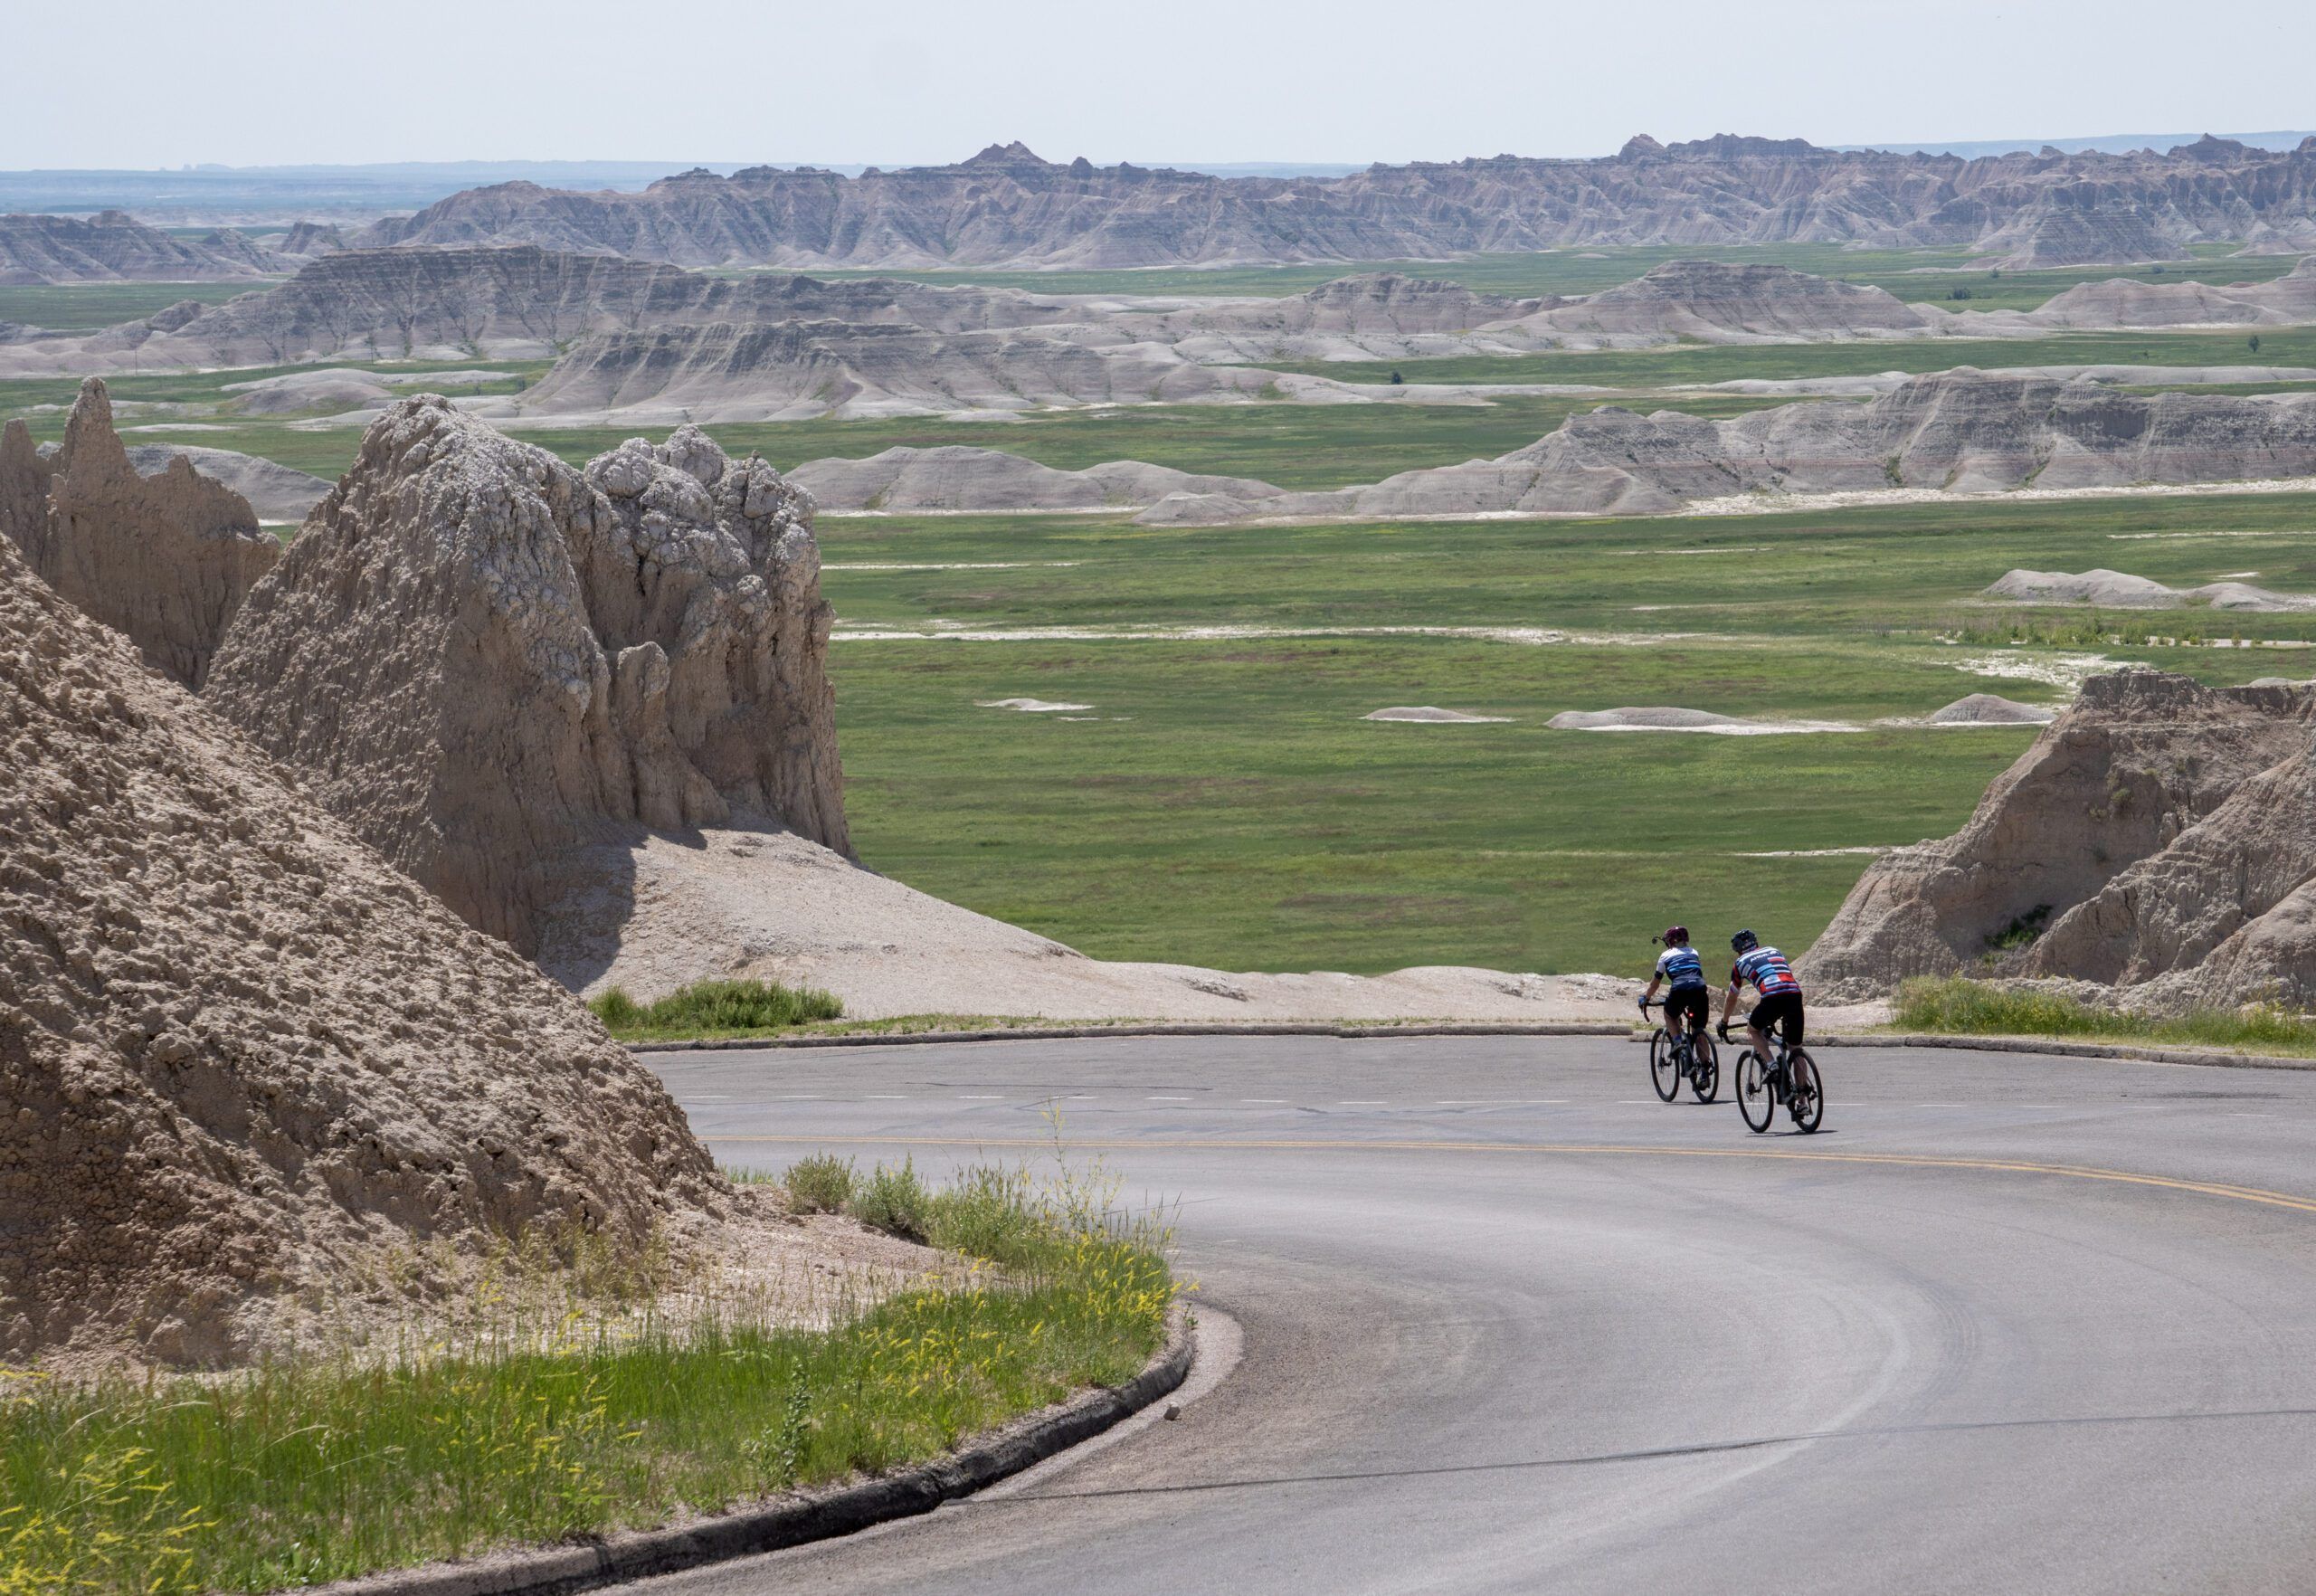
1361, 1103
980, 1098
1169, 1099
1264, 1100
887, 1097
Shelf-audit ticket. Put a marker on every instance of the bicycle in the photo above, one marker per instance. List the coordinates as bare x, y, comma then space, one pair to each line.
1673, 1060
1791, 1079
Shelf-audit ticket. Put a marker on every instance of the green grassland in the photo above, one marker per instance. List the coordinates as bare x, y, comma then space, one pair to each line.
1229, 807
1643, 369
1295, 445
84, 307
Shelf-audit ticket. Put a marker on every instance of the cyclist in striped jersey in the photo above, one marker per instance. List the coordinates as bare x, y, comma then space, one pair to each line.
1772, 977
1691, 998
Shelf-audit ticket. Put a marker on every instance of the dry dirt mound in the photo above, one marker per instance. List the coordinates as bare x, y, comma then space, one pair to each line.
239, 1052
955, 477
166, 559
480, 656
276, 492
1662, 718
2119, 589
656, 912
112, 246
1716, 303
2159, 835
1431, 715
1992, 709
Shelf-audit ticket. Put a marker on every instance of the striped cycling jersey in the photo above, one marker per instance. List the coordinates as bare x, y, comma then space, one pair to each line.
1767, 969
1680, 967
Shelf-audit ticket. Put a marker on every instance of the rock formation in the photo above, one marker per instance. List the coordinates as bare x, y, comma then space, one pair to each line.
112, 246
2121, 590
2122, 301
1961, 430
166, 559
1007, 207
481, 659
798, 370
452, 304
958, 478
1716, 303
274, 491
2160, 836
305, 240
240, 1055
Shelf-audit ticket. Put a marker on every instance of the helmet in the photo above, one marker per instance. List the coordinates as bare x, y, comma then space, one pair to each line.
1675, 936
1744, 942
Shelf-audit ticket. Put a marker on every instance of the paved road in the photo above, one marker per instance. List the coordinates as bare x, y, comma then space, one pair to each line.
1510, 1323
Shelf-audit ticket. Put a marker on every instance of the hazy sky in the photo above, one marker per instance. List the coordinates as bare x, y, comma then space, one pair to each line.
158, 82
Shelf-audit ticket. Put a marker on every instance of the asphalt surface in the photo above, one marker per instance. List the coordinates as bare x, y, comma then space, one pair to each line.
2005, 1323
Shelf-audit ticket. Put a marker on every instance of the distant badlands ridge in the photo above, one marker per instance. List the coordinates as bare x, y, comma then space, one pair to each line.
1007, 207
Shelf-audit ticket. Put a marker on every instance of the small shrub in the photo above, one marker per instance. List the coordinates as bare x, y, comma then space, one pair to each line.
895, 1201
1959, 293
1958, 1005
709, 1006
2254, 341
821, 1184
2022, 930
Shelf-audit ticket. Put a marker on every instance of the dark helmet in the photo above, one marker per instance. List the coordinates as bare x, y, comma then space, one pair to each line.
1675, 937
1744, 942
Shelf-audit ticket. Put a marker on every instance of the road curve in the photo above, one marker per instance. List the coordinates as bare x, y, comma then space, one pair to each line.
2008, 1323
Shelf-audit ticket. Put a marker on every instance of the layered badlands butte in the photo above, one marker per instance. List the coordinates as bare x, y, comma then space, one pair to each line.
2158, 841
242, 1057
1007, 207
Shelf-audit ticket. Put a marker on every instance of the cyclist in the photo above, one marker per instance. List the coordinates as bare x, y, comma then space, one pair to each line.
1773, 977
1681, 968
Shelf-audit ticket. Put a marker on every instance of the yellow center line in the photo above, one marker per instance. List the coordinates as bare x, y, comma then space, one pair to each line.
1909, 1160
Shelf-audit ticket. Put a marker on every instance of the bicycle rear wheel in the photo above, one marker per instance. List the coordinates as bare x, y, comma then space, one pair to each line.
1663, 1066
1808, 1100
1753, 1099
1706, 1082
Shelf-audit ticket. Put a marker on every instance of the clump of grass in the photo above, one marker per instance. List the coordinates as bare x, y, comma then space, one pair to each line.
714, 1008
1958, 1005
821, 1184
306, 1470
896, 1201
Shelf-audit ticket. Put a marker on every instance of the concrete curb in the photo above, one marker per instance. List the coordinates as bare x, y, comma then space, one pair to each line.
2056, 1046
795, 1520
1186, 1028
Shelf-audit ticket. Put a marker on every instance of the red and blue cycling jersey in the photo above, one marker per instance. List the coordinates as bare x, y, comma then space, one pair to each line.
1767, 969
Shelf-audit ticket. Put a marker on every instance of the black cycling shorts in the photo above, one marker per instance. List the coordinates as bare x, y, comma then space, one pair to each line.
1694, 1001
1784, 1007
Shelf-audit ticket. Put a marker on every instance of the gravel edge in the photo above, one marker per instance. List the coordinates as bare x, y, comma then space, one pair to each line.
1084, 1032
796, 1520
2049, 1046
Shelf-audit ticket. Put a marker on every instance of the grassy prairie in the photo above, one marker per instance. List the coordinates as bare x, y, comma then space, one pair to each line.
87, 306
1959, 1006
1642, 369
1227, 805
1295, 445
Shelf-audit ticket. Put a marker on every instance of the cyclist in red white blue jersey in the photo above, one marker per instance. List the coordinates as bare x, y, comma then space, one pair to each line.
1772, 975
1681, 968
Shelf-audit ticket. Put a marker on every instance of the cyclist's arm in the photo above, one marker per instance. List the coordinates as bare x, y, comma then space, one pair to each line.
1654, 982
1729, 998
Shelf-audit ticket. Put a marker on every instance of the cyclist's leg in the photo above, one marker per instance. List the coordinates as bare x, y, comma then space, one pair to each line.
1757, 1027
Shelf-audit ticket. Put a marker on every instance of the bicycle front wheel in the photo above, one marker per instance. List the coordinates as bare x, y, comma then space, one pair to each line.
1753, 1098
1706, 1082
1663, 1066
1808, 1100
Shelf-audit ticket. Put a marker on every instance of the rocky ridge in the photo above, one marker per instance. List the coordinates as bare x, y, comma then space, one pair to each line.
483, 660
165, 559
242, 1057
1961, 432
112, 246
1007, 207
2159, 838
